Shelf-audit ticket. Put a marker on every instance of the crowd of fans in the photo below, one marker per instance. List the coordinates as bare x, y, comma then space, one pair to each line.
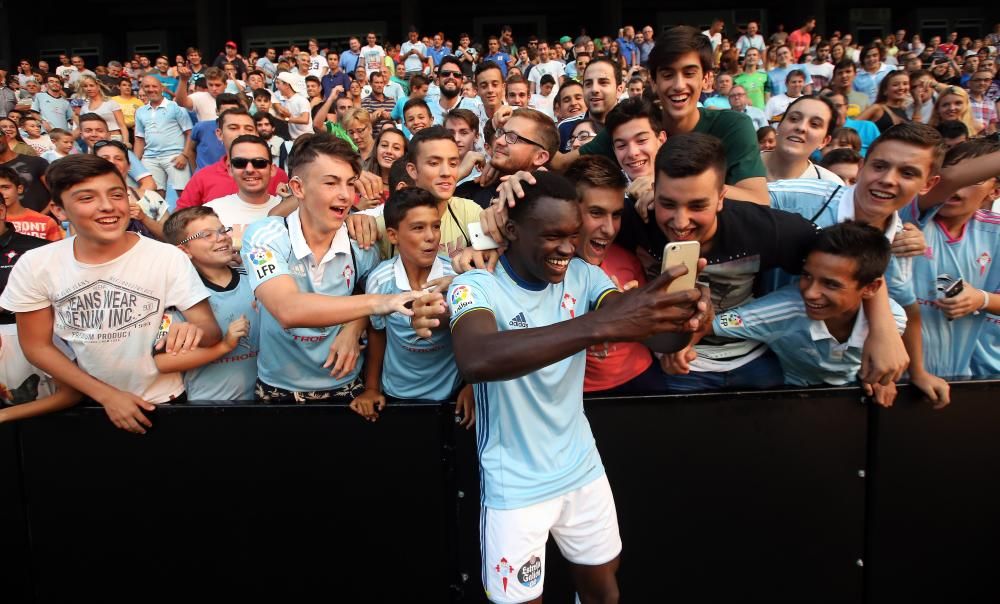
297, 225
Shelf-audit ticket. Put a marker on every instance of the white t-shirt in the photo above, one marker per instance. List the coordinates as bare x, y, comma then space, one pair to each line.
318, 66
820, 74
552, 68
372, 58
236, 213
203, 104
109, 314
543, 104
298, 105
107, 112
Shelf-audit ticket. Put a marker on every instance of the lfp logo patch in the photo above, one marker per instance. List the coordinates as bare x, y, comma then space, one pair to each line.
263, 261
261, 256
730, 319
461, 297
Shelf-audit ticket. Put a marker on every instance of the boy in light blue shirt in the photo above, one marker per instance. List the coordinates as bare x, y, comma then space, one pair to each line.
401, 366
306, 273
963, 243
818, 328
228, 370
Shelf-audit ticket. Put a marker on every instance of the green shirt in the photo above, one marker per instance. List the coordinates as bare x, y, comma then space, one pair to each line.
338, 130
756, 85
735, 130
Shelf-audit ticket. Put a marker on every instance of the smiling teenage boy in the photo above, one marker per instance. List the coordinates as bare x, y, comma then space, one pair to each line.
817, 328
96, 291
303, 270
399, 365
680, 65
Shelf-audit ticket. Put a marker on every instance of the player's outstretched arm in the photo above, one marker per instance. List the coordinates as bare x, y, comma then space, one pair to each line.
485, 354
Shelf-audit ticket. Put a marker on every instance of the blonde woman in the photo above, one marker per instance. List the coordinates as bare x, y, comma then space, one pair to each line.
358, 124
110, 111
953, 105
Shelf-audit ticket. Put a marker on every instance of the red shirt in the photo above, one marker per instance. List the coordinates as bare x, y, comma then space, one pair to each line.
799, 41
614, 363
214, 181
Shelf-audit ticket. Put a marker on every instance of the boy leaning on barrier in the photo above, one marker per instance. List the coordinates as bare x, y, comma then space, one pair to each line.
228, 370
400, 366
818, 328
104, 292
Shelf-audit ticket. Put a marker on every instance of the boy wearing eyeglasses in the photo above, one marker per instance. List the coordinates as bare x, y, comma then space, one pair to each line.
251, 167
97, 292
226, 371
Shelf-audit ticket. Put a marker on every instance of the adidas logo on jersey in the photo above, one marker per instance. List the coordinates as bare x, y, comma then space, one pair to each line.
518, 321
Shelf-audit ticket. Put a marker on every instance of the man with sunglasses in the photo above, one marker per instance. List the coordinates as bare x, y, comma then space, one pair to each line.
451, 97
215, 181
251, 168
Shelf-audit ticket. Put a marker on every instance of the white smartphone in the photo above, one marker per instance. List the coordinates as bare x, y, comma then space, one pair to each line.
480, 240
686, 253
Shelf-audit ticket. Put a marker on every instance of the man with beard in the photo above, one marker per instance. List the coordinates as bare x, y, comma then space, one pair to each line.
450, 85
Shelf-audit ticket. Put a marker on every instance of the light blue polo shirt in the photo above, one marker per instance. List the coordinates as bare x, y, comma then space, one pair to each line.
949, 345
534, 441
413, 368
809, 355
807, 198
162, 127
55, 111
292, 359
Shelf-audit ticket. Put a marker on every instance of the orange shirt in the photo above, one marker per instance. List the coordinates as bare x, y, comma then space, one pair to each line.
35, 224
613, 363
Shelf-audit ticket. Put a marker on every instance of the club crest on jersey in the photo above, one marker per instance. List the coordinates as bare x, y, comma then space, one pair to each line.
461, 297
730, 319
263, 261
569, 303
504, 569
10, 256
348, 274
983, 261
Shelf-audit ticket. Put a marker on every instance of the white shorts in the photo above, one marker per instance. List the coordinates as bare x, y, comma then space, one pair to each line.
584, 524
164, 172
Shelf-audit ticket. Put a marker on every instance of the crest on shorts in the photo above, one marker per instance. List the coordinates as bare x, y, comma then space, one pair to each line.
505, 570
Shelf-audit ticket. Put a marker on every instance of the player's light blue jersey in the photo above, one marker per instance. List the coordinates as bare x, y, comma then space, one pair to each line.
232, 377
808, 353
413, 368
986, 358
292, 359
534, 440
826, 204
949, 345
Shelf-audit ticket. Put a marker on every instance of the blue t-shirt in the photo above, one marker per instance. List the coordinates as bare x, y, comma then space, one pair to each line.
949, 345
807, 198
808, 353
534, 440
292, 359
208, 147
232, 377
986, 357
169, 83
162, 128
333, 79
437, 54
500, 58
413, 368
776, 78
626, 48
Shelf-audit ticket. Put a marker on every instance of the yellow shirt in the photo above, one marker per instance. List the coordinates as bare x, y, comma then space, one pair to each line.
128, 106
454, 235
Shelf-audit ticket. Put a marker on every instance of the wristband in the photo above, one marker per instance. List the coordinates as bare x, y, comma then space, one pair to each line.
986, 302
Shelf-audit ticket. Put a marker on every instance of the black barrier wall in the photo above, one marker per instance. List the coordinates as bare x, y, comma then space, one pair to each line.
788, 496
